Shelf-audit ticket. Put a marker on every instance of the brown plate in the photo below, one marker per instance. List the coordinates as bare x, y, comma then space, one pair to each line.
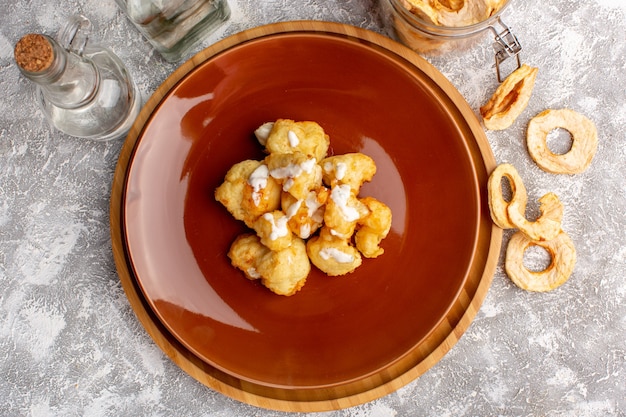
338, 338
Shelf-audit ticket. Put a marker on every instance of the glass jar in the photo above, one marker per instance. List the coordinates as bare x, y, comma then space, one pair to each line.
427, 38
82, 89
174, 27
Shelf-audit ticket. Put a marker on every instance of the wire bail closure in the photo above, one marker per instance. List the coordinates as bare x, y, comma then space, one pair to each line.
506, 46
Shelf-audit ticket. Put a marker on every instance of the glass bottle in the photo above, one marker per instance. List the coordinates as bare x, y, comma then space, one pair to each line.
174, 27
83, 90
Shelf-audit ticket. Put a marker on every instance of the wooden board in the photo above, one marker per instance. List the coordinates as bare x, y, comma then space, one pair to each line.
398, 374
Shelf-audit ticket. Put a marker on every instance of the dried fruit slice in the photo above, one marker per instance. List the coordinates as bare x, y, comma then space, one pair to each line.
498, 206
453, 13
562, 252
584, 141
547, 225
510, 98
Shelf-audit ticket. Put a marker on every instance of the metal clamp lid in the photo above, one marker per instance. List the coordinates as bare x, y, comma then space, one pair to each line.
506, 46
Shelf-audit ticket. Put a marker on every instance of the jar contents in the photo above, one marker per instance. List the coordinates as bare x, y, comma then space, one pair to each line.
83, 90
436, 27
173, 28
453, 13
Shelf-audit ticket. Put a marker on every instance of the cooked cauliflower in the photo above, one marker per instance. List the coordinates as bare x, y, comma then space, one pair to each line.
297, 173
305, 216
245, 253
285, 271
343, 211
291, 196
373, 228
245, 196
352, 169
288, 136
331, 254
273, 230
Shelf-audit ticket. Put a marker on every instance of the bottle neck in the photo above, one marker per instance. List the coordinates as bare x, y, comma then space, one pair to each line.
66, 79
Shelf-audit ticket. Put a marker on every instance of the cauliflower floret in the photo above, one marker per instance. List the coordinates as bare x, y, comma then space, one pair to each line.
247, 193
245, 252
288, 136
331, 254
343, 211
373, 228
273, 231
305, 216
285, 271
297, 173
352, 169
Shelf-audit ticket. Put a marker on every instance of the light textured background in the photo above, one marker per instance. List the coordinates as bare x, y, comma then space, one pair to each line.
70, 344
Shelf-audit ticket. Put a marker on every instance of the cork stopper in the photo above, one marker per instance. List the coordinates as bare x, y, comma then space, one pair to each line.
34, 53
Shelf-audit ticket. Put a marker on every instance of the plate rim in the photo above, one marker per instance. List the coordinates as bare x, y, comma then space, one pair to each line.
401, 371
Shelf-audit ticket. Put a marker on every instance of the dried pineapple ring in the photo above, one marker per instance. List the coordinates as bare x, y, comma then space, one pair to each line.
584, 141
510, 98
497, 204
562, 252
548, 224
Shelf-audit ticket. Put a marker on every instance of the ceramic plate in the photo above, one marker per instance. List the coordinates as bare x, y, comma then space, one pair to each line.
336, 330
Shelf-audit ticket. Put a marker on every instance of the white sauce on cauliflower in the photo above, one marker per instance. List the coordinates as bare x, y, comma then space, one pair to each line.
293, 139
292, 171
279, 226
258, 182
337, 255
262, 133
340, 195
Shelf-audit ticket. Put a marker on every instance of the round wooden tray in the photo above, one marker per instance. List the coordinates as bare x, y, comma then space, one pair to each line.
399, 373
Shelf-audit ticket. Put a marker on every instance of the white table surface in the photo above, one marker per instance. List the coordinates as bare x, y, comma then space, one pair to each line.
70, 344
